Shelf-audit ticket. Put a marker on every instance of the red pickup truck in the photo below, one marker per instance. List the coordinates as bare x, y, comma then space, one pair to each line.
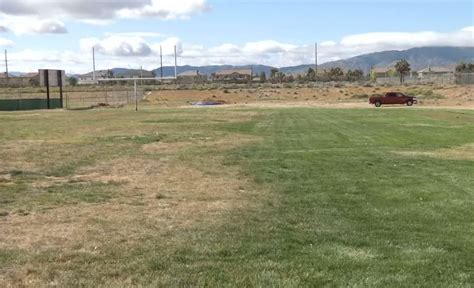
392, 98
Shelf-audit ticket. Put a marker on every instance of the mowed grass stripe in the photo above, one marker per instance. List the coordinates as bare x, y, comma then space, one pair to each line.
357, 212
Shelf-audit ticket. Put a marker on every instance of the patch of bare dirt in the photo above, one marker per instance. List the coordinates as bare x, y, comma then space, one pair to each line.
226, 142
14, 155
156, 197
337, 97
157, 200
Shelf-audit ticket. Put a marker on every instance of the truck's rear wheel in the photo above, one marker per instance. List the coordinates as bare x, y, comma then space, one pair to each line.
378, 104
409, 103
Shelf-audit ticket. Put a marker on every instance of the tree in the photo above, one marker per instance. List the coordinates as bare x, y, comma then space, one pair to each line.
299, 79
373, 75
465, 68
273, 73
72, 81
354, 75
311, 74
280, 76
402, 67
335, 73
263, 77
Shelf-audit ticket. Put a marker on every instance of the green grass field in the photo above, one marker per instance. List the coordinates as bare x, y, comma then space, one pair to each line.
241, 197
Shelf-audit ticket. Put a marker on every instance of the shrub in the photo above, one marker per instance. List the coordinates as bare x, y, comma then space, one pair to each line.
360, 96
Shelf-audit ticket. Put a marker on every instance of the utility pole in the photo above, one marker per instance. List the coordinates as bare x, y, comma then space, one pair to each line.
175, 62
175, 65
161, 63
6, 67
316, 59
135, 93
141, 79
93, 64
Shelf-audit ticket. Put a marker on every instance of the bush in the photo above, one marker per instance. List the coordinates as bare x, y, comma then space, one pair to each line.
425, 93
360, 96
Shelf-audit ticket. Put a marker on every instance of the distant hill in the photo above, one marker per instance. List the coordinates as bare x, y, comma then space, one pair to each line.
419, 58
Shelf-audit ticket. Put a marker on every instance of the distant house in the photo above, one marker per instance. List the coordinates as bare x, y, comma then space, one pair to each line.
191, 77
135, 74
431, 71
26, 80
32, 78
4, 79
382, 72
88, 78
233, 76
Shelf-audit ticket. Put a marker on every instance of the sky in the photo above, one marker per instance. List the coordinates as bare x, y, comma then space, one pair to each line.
60, 34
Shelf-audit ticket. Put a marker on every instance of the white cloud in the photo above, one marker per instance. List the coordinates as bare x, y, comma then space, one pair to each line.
29, 60
468, 29
76, 9
48, 16
21, 25
129, 44
327, 44
167, 46
407, 39
6, 42
138, 34
118, 46
51, 27
165, 9
268, 47
130, 50
225, 49
358, 44
103, 10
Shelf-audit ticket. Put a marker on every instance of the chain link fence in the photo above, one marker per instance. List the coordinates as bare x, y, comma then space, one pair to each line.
12, 99
74, 100
440, 79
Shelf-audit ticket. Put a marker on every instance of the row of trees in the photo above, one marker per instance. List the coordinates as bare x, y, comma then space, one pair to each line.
465, 68
333, 74
402, 68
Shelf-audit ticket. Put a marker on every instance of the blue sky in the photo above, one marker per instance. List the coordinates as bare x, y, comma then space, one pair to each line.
60, 33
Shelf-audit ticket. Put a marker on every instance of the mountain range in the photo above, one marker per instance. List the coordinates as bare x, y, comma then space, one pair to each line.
419, 58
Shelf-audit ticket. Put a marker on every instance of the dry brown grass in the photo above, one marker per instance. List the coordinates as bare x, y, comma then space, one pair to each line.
157, 197
159, 194
464, 152
323, 96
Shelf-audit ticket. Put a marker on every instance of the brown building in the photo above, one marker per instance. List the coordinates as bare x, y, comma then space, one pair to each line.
382, 72
233, 76
431, 71
192, 77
